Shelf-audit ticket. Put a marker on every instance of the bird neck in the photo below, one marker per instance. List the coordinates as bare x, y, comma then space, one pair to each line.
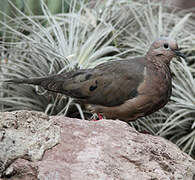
158, 76
157, 62
157, 67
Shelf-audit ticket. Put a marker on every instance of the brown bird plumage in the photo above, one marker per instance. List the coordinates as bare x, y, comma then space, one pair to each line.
124, 90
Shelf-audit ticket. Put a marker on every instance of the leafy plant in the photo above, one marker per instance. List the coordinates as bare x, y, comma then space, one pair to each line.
69, 41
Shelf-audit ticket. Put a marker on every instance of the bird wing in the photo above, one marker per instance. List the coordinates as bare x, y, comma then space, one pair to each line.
108, 84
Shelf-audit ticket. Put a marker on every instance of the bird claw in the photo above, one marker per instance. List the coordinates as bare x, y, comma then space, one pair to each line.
100, 116
96, 117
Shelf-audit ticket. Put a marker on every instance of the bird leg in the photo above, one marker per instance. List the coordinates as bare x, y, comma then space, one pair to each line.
97, 117
100, 117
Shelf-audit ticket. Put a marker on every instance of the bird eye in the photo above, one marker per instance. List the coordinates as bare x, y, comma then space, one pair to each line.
166, 46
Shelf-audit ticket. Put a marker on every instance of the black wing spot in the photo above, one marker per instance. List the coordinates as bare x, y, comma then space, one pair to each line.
133, 93
92, 88
88, 76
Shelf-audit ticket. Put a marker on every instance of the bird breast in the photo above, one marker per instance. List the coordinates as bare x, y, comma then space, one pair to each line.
157, 85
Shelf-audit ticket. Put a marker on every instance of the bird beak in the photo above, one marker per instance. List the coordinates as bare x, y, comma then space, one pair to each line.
178, 53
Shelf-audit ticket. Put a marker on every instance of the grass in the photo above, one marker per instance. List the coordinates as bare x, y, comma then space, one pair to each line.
34, 46
66, 42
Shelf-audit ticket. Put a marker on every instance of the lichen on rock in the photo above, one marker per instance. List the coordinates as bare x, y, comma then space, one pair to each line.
25, 134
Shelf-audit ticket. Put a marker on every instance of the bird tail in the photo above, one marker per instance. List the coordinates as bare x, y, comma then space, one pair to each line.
34, 81
52, 83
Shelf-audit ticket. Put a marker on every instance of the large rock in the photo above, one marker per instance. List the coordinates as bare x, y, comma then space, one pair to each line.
35, 146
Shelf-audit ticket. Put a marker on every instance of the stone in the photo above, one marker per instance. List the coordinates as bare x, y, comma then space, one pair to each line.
25, 134
100, 150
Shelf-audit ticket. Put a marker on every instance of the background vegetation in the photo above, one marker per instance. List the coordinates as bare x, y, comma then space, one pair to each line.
35, 41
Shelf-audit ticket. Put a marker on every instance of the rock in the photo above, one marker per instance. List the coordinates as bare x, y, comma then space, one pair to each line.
27, 135
86, 150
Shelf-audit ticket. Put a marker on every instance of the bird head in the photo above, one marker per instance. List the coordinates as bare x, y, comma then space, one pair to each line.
165, 49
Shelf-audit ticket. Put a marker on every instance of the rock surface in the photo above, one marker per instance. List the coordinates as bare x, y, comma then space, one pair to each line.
84, 150
27, 135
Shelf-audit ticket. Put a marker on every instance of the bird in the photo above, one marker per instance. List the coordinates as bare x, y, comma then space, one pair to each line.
125, 89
